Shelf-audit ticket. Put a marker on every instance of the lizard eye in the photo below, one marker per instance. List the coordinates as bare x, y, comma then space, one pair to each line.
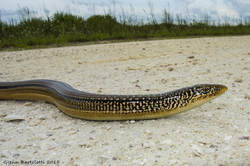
205, 89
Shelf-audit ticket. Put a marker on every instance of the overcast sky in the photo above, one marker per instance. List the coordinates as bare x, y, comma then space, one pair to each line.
196, 8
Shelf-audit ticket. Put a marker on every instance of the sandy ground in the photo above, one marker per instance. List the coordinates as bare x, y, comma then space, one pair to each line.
217, 133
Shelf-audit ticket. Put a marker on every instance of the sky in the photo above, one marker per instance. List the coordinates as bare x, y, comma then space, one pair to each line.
140, 8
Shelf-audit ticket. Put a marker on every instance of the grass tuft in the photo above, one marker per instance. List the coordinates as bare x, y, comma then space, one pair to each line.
62, 28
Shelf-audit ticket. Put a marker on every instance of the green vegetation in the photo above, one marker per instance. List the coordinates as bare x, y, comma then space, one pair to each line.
63, 28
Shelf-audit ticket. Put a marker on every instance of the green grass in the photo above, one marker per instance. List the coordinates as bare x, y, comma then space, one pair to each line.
63, 28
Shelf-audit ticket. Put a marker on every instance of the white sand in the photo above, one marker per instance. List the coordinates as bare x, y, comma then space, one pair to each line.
208, 135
